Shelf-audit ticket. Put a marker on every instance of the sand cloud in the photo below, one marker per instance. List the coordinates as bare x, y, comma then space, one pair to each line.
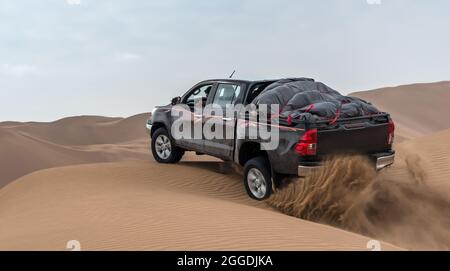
348, 193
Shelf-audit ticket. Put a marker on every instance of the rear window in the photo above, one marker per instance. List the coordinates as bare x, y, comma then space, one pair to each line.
255, 91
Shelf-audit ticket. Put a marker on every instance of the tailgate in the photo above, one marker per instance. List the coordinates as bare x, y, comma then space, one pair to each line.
363, 137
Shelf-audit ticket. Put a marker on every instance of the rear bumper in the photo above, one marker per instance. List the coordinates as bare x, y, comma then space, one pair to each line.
304, 171
381, 161
384, 161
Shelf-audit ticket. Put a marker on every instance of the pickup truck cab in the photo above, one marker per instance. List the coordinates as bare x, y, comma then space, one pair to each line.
301, 149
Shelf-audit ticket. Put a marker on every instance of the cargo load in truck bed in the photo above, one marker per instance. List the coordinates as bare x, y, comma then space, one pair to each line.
303, 99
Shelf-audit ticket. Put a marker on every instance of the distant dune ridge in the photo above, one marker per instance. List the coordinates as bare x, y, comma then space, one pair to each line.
199, 204
26, 147
418, 109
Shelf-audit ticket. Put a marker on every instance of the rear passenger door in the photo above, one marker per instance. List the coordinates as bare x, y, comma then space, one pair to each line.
225, 95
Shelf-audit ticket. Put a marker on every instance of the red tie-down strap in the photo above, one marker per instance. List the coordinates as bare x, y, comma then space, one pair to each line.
338, 114
310, 107
307, 110
289, 119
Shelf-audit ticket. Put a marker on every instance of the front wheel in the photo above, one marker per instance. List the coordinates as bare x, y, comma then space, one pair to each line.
163, 149
257, 178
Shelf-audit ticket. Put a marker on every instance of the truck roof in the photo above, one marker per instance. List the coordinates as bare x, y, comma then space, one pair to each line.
240, 81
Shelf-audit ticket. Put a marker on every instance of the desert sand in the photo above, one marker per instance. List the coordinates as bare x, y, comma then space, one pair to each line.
92, 179
145, 206
418, 109
432, 153
27, 147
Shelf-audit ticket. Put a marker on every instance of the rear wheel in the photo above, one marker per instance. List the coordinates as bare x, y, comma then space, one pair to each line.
163, 148
257, 178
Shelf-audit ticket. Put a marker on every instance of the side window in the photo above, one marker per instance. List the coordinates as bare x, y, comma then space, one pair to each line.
226, 94
198, 95
255, 91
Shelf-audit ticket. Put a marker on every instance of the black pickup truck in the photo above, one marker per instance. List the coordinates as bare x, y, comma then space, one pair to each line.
303, 142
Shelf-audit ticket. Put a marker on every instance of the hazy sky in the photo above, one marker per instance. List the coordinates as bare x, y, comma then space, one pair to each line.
114, 57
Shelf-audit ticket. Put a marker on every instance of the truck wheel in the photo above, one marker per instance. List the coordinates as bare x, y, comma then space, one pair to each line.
163, 148
257, 178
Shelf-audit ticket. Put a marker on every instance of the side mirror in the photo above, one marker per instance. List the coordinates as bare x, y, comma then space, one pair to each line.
176, 100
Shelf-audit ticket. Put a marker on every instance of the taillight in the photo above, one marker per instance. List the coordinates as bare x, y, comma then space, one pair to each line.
391, 132
307, 144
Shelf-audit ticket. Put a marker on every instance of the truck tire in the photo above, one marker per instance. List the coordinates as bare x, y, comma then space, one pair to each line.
164, 149
258, 178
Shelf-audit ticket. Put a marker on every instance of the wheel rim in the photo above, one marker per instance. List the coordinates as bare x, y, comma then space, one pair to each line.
163, 147
257, 183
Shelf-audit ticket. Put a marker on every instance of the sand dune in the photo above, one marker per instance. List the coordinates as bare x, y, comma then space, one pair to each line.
431, 156
199, 204
84, 130
148, 206
26, 147
418, 109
